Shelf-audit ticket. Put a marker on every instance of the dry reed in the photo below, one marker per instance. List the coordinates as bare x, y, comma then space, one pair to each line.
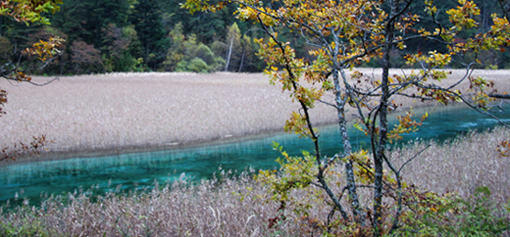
119, 111
238, 206
162, 109
159, 110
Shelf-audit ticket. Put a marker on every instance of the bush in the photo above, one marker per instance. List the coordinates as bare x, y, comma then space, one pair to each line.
195, 65
27, 229
198, 65
449, 215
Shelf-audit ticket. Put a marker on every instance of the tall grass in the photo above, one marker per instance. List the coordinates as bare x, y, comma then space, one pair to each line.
118, 111
238, 206
153, 110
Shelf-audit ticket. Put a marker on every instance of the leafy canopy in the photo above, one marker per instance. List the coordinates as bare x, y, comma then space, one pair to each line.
29, 11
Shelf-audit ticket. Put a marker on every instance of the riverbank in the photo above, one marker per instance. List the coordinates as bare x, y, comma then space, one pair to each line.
239, 206
133, 112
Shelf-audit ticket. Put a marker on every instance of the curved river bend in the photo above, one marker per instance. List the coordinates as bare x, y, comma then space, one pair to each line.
138, 170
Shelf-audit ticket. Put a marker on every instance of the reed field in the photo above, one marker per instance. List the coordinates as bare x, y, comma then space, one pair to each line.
119, 112
239, 206
123, 111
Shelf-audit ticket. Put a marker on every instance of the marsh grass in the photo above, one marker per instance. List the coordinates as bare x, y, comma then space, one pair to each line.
119, 111
236, 205
122, 111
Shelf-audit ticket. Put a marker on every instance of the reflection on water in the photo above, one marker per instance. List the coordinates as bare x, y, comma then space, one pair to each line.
136, 170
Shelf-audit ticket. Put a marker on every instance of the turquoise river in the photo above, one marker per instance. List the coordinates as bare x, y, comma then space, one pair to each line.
29, 181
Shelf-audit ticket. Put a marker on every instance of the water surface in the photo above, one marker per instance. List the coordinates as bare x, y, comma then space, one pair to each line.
138, 170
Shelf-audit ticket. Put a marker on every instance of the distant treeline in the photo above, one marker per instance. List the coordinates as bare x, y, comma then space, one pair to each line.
152, 35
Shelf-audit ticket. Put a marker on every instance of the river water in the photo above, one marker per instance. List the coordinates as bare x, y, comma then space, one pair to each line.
139, 170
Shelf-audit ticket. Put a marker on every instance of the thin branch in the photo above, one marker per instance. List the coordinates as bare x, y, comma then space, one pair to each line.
330, 216
412, 158
331, 160
500, 96
484, 112
414, 96
31, 82
469, 71
329, 104
436, 87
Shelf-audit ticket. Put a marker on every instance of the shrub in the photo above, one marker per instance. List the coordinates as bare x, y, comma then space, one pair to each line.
195, 65
27, 229
198, 65
449, 215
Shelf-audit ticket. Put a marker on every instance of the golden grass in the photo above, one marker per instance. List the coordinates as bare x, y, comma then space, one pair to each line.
240, 207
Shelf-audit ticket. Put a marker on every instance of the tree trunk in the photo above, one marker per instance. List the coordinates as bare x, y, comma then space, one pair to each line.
349, 171
242, 61
383, 121
61, 64
229, 53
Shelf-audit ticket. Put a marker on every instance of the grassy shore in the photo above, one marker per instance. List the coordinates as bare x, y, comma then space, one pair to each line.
240, 206
160, 110
143, 111
122, 112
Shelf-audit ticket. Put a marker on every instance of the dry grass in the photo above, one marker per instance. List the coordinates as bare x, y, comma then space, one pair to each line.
120, 111
499, 77
239, 206
116, 112
471, 161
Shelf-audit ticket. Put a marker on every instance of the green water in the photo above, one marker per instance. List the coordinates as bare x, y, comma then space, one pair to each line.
139, 170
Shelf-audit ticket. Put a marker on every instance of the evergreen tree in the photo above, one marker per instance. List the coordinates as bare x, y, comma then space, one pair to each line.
147, 18
120, 48
177, 50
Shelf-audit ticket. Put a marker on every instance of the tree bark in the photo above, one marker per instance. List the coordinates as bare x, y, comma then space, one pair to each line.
242, 61
229, 53
349, 170
383, 120
500, 96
